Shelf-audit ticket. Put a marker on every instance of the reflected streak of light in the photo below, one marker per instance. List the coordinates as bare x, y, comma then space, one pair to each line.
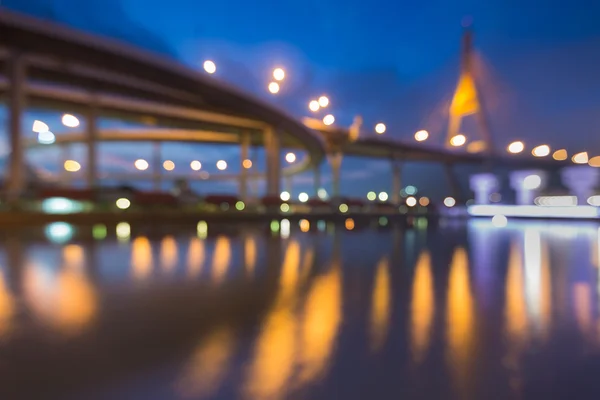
460, 317
6, 307
168, 253
250, 254
515, 314
583, 307
205, 372
307, 263
380, 305
221, 258
532, 248
66, 301
321, 322
195, 257
141, 258
546, 293
275, 347
422, 307
73, 256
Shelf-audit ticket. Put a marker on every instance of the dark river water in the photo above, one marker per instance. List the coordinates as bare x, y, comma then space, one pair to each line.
310, 310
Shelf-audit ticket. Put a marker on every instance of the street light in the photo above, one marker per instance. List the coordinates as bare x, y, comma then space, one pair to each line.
421, 135
72, 166
303, 197
285, 196
449, 202
560, 155
380, 128
221, 165
247, 163
70, 121
328, 119
290, 157
196, 165
516, 147
274, 87
314, 106
278, 74
141, 164
210, 67
411, 201
169, 165
458, 140
541, 151
580, 158
323, 101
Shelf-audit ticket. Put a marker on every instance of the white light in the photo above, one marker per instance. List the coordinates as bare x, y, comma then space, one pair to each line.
411, 201
322, 194
196, 165
580, 158
458, 140
499, 221
449, 202
123, 203
541, 151
39, 126
274, 87
46, 137
383, 196
594, 201
343, 208
141, 164
372, 196
59, 232
70, 121
285, 196
221, 165
210, 67
123, 230
314, 106
323, 101
328, 119
278, 74
61, 205
290, 157
380, 128
516, 147
556, 201
489, 210
532, 182
285, 228
421, 135
303, 197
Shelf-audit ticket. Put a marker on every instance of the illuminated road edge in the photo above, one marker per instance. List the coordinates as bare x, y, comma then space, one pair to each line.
525, 211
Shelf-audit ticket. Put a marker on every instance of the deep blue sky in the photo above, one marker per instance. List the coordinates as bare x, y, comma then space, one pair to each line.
390, 61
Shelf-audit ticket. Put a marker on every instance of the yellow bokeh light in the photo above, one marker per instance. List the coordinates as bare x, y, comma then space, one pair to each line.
72, 166
141, 164
123, 203
290, 157
424, 201
516, 147
247, 163
349, 224
169, 165
594, 161
196, 165
541, 151
274, 87
328, 119
278, 74
560, 155
421, 135
458, 140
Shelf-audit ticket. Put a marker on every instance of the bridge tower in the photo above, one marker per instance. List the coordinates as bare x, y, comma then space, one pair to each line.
467, 99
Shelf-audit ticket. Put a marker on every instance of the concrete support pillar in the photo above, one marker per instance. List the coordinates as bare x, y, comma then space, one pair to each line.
527, 184
317, 180
272, 149
17, 73
483, 185
335, 160
244, 155
452, 181
396, 180
581, 180
91, 138
156, 166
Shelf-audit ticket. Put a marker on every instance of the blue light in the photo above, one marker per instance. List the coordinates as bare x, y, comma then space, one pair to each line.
59, 232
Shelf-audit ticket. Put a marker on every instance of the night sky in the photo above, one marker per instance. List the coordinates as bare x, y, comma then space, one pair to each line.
390, 61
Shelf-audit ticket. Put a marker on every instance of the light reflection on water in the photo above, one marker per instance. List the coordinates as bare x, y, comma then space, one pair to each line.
476, 306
